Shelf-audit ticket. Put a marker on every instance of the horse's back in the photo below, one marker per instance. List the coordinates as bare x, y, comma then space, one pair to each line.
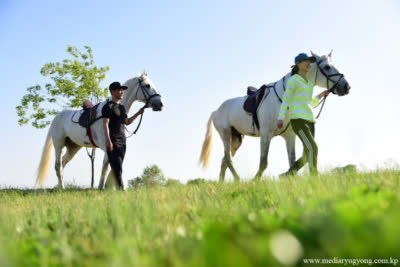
231, 114
227, 107
65, 124
232, 103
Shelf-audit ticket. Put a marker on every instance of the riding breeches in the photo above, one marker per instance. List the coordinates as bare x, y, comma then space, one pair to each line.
306, 131
116, 158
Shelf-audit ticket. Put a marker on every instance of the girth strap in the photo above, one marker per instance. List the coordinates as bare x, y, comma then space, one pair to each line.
280, 100
89, 134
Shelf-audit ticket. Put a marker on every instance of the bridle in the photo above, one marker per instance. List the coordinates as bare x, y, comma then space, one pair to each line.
147, 97
145, 92
328, 79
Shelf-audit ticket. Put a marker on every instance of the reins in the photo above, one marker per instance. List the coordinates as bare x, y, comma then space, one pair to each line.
323, 103
328, 79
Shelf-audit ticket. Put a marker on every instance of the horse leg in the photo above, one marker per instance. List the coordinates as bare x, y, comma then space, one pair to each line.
236, 141
295, 166
58, 145
111, 180
223, 170
108, 179
226, 137
104, 171
224, 166
264, 148
72, 149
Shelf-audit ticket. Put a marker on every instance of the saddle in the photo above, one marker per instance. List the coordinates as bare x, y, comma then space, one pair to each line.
253, 100
88, 115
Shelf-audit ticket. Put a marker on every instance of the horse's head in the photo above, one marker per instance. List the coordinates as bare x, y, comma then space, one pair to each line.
142, 88
147, 92
327, 76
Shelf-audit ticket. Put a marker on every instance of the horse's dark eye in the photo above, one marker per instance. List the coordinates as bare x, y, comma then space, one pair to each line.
327, 68
148, 86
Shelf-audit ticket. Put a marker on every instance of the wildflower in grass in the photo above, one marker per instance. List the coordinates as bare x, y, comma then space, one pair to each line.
199, 235
181, 231
251, 216
285, 247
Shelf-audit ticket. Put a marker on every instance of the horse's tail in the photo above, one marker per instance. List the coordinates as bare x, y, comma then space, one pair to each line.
44, 165
207, 144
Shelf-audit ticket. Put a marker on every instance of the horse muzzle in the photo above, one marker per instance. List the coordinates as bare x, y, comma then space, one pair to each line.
156, 104
342, 88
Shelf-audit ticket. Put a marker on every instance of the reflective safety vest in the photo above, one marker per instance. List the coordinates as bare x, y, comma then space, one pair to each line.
298, 99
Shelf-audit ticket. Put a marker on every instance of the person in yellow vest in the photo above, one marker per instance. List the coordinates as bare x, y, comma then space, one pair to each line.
298, 100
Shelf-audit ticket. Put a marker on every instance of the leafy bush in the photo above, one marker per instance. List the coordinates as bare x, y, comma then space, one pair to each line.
172, 182
349, 168
196, 181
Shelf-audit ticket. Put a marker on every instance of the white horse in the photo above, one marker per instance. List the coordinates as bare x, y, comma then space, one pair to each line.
232, 122
64, 131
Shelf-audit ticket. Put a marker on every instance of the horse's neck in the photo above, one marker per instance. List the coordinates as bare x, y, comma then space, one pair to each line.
311, 74
281, 84
280, 88
286, 77
128, 104
130, 97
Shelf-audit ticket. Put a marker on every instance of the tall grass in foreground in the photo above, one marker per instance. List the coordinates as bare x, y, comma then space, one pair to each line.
267, 223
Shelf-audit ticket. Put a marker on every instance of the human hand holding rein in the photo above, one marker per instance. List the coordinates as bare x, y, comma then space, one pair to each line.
324, 93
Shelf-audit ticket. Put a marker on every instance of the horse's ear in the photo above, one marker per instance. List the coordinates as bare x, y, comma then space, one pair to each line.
144, 72
330, 54
314, 55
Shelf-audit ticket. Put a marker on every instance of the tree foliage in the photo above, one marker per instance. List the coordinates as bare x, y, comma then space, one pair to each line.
72, 82
151, 176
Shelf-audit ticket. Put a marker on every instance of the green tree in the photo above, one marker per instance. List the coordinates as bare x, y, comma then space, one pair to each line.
136, 182
73, 81
151, 176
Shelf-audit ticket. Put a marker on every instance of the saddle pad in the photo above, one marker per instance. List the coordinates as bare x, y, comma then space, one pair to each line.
88, 116
253, 101
250, 103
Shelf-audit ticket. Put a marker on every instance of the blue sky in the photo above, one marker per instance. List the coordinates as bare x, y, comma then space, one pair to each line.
200, 53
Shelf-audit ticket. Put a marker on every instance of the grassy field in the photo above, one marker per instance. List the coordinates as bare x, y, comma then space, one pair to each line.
267, 223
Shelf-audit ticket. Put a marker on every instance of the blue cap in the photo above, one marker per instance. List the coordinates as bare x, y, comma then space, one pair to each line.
303, 56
